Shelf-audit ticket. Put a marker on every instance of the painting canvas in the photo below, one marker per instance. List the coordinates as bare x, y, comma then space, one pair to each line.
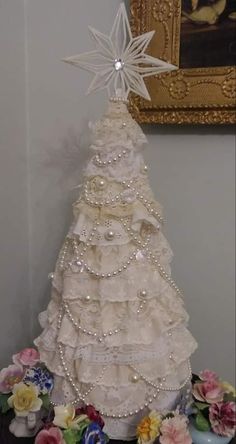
198, 36
207, 36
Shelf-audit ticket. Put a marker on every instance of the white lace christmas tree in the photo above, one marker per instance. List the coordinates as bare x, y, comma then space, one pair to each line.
115, 331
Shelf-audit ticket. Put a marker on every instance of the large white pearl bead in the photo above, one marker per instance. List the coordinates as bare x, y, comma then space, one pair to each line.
87, 298
51, 276
109, 235
142, 294
135, 378
101, 183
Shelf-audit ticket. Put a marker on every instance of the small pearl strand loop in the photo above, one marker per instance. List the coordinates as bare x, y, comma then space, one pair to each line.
103, 163
80, 261
160, 387
87, 332
126, 414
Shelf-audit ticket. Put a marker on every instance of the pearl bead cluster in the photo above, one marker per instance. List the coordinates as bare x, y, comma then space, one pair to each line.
118, 100
88, 332
161, 386
102, 163
142, 294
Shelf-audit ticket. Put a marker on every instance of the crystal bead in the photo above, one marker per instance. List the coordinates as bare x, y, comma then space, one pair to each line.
118, 64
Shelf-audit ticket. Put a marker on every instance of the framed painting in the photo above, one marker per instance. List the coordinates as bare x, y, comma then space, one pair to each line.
199, 37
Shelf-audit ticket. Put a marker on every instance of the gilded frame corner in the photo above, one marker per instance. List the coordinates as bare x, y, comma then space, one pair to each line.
184, 96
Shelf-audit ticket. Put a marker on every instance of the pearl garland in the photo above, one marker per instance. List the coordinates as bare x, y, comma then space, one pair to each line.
160, 386
118, 197
88, 332
154, 259
102, 163
80, 261
63, 254
80, 396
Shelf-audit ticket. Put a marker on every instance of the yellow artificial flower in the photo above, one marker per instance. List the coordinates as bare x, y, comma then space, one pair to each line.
25, 399
65, 417
149, 428
228, 388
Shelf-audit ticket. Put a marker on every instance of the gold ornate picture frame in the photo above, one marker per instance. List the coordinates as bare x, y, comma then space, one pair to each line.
188, 95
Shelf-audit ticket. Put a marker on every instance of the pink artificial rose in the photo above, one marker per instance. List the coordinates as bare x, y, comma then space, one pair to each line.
10, 376
51, 436
27, 357
208, 391
222, 417
174, 431
208, 375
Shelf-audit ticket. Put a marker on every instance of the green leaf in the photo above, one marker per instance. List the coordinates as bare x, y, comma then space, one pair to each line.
4, 406
71, 436
201, 423
201, 405
46, 401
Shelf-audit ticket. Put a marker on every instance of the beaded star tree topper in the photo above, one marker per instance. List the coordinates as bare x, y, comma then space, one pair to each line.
120, 62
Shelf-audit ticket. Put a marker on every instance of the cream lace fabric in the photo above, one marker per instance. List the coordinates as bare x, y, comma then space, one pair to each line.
115, 330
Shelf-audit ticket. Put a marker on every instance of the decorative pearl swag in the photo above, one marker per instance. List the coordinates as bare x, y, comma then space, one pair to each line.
82, 396
128, 185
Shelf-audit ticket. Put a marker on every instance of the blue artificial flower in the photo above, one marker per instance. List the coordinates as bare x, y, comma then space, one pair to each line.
94, 435
40, 377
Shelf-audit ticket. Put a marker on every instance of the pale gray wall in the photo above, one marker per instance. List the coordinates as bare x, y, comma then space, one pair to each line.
45, 115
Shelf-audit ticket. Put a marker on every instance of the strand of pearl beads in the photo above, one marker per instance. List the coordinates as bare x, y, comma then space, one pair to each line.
63, 254
143, 200
80, 396
79, 261
132, 412
102, 163
162, 272
88, 332
98, 203
160, 387
151, 256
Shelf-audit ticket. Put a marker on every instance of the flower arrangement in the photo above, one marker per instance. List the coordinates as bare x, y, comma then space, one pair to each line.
73, 426
214, 404
25, 384
168, 428
25, 387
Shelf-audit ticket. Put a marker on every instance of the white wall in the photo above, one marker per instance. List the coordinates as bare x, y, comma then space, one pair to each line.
192, 173
14, 294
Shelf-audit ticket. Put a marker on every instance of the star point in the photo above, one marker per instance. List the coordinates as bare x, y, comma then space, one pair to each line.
119, 61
